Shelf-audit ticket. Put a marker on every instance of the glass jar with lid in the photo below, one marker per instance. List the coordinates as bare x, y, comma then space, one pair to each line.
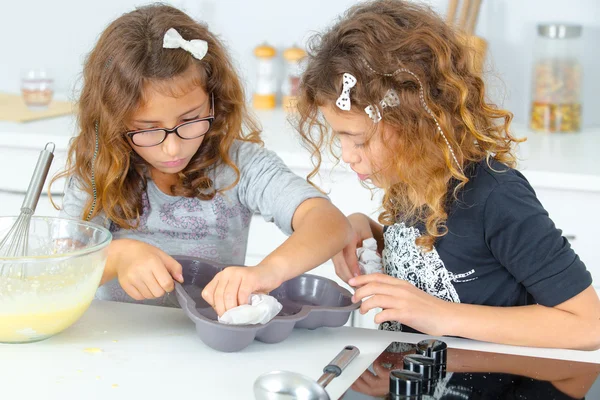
265, 91
294, 57
557, 79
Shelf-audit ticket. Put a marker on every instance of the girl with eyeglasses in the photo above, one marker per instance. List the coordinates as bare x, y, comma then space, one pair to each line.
168, 157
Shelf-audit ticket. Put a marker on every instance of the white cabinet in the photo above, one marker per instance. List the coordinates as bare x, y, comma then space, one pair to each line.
17, 165
11, 204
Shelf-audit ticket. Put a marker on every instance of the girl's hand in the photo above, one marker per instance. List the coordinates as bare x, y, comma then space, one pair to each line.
234, 285
346, 262
144, 271
401, 302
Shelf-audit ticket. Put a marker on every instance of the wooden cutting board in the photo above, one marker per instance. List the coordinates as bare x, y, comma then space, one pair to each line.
12, 108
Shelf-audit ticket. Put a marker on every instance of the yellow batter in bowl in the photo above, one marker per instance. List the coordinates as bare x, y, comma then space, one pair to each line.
65, 262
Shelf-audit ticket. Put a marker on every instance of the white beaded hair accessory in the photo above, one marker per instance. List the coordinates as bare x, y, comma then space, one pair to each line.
348, 82
389, 100
373, 111
196, 47
423, 103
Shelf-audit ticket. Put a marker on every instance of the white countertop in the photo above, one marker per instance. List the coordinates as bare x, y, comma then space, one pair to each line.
154, 353
557, 160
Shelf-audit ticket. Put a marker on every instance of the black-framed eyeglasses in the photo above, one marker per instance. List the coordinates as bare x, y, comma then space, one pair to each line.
187, 130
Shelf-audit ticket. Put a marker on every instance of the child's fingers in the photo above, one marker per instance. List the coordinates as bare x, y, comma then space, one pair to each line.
163, 278
380, 301
351, 259
132, 291
352, 265
154, 287
375, 288
341, 268
172, 266
363, 280
230, 296
208, 294
140, 285
219, 304
387, 315
244, 293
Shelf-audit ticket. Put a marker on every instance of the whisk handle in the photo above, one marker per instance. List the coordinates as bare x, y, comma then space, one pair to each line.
36, 185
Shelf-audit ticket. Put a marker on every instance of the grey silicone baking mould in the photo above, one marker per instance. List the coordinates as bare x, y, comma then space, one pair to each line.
309, 302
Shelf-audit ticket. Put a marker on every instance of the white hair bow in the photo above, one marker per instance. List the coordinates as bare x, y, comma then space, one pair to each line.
343, 102
196, 47
389, 100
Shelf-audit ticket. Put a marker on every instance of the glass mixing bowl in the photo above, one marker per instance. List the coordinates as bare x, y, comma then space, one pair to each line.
61, 272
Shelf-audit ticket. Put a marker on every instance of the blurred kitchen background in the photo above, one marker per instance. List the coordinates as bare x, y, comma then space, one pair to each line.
57, 35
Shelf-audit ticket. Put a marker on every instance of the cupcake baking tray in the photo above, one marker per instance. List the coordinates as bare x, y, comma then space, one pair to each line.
308, 301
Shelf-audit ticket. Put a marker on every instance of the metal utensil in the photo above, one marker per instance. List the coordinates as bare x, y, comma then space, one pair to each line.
280, 385
16, 241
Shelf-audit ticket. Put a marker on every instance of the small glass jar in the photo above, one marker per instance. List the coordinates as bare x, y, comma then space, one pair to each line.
294, 57
265, 91
557, 79
37, 88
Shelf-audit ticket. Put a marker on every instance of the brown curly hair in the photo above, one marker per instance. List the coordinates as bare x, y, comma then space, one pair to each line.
128, 55
388, 35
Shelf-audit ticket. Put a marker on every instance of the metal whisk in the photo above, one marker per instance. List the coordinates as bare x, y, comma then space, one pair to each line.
16, 241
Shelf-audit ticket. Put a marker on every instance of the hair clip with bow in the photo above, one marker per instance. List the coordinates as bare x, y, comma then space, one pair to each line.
389, 100
348, 82
196, 47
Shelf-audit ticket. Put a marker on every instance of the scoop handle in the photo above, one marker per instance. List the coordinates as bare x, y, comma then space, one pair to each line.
37, 180
338, 364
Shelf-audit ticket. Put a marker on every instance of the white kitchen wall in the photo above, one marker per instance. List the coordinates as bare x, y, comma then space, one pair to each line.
57, 34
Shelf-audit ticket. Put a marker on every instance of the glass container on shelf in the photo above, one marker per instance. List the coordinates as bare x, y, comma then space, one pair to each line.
294, 57
557, 79
37, 88
265, 91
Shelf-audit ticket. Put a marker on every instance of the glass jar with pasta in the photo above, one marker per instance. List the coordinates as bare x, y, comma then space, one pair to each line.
557, 79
